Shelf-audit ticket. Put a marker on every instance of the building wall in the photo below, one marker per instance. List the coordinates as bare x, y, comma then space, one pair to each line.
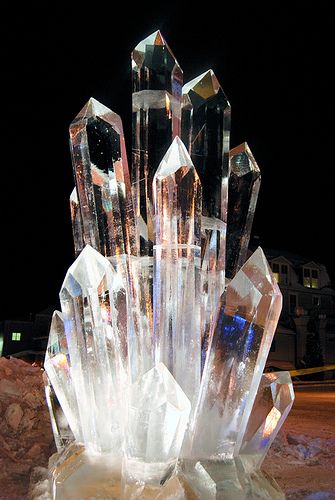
330, 350
12, 330
283, 348
294, 288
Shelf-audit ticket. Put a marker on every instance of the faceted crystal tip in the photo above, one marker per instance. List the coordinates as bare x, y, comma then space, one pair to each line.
155, 39
205, 85
87, 270
94, 109
257, 270
153, 53
176, 157
242, 161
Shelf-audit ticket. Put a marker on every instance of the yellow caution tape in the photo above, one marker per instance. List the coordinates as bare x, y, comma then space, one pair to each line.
306, 371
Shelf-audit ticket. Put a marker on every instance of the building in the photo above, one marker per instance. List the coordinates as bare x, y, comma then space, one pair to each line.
16, 336
307, 296
26, 338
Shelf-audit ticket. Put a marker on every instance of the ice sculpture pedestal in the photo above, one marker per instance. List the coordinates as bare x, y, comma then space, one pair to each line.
74, 474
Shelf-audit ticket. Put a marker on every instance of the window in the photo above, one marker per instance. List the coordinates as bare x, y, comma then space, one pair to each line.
293, 302
311, 278
275, 270
284, 274
315, 278
316, 301
16, 336
280, 273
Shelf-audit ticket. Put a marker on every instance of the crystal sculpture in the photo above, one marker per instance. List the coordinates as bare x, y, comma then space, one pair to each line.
244, 182
273, 402
154, 366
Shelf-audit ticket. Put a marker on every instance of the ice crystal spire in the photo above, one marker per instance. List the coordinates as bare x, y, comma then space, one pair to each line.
102, 178
244, 183
240, 343
157, 83
95, 318
177, 203
206, 130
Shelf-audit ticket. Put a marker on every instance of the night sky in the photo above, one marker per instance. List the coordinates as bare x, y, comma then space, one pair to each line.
275, 66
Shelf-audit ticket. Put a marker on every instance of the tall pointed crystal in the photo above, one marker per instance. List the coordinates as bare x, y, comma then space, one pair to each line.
102, 178
58, 368
272, 404
157, 89
213, 233
241, 339
63, 435
77, 227
205, 131
177, 203
244, 183
207, 128
94, 306
156, 423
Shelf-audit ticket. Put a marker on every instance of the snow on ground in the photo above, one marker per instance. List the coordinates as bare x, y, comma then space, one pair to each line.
302, 459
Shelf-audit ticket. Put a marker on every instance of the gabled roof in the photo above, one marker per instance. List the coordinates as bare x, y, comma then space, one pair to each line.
295, 259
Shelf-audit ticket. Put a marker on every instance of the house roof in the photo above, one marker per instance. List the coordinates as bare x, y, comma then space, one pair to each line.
296, 259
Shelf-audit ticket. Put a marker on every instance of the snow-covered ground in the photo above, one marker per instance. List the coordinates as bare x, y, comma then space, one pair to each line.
302, 459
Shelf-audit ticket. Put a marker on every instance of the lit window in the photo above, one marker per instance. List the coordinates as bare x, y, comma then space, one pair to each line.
275, 270
315, 278
16, 336
307, 277
311, 278
280, 273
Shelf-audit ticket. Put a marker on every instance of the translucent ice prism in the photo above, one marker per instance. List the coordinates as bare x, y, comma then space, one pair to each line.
94, 306
244, 183
227, 480
60, 427
77, 227
273, 402
206, 130
241, 338
58, 369
177, 199
157, 418
212, 480
157, 83
102, 178
213, 233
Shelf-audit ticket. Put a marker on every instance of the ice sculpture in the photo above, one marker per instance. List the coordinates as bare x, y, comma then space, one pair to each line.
154, 366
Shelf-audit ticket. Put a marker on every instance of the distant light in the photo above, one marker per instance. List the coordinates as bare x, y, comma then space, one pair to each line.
16, 336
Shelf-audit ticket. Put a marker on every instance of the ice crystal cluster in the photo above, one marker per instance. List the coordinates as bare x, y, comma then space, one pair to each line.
155, 364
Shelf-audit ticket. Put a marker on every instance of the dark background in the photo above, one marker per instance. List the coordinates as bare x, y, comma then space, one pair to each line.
275, 63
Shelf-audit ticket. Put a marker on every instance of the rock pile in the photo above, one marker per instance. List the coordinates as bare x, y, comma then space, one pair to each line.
26, 438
